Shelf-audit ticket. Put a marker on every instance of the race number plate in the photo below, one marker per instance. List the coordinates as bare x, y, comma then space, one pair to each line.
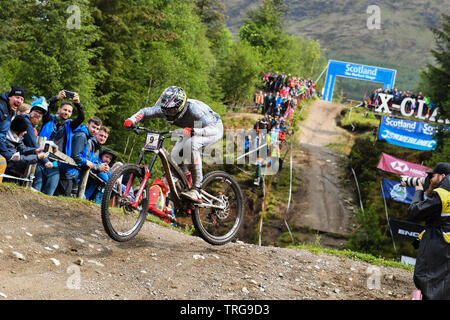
152, 141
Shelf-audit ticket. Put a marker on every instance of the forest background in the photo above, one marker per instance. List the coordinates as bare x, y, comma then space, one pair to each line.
120, 55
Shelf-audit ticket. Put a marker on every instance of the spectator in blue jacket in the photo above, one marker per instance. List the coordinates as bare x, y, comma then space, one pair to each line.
80, 154
95, 145
95, 188
59, 129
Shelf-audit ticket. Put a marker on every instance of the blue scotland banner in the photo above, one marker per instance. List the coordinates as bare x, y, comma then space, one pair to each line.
394, 190
357, 71
408, 134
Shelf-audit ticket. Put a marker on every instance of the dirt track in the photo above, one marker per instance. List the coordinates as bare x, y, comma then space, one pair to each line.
324, 203
56, 249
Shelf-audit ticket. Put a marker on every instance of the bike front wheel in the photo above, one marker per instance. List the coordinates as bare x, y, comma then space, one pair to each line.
219, 226
121, 218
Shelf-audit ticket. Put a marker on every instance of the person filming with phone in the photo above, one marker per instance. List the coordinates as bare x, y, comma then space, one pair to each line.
58, 128
432, 269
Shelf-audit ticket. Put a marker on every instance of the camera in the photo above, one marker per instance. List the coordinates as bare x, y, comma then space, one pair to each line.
69, 94
49, 146
414, 181
411, 181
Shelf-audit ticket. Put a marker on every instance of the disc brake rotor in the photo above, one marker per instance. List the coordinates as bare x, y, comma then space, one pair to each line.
224, 213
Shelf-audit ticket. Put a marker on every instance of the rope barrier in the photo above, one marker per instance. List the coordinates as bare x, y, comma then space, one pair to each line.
321, 74
13, 177
247, 173
290, 196
245, 154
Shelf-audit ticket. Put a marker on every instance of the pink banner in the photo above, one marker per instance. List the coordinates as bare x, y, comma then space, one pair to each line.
391, 164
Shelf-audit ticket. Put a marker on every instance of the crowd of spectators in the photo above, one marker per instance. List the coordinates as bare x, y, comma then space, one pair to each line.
399, 96
280, 91
56, 153
278, 99
53, 151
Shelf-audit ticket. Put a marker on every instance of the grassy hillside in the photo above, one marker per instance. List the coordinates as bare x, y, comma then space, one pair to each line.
403, 42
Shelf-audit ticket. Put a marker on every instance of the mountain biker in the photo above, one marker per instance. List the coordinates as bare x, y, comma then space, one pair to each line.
202, 127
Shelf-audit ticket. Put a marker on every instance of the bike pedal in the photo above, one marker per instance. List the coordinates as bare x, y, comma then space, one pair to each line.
198, 201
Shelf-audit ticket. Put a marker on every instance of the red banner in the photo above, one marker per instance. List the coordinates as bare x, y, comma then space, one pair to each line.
391, 164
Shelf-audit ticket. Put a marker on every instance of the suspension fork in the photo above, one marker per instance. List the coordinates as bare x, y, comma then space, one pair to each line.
135, 203
137, 200
144, 182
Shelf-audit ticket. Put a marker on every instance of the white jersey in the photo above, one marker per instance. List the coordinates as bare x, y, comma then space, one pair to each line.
196, 114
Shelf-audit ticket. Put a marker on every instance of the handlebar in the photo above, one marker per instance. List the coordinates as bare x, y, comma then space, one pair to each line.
137, 129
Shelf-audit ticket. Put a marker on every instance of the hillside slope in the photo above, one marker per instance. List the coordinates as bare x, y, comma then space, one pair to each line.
55, 248
403, 41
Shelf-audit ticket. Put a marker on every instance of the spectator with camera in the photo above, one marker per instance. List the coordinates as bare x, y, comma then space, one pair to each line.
432, 273
59, 129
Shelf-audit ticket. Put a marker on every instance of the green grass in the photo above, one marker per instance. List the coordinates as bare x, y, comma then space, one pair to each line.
361, 119
339, 147
11, 186
242, 122
365, 257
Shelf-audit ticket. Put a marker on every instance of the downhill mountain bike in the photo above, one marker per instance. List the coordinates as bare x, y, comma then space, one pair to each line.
217, 219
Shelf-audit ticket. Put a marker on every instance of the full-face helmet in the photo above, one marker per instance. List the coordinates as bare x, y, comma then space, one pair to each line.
172, 101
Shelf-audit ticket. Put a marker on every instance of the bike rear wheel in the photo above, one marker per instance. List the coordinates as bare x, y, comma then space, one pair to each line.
120, 219
220, 226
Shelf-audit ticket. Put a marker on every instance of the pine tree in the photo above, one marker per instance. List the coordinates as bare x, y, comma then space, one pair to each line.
212, 15
436, 83
147, 46
436, 78
47, 47
240, 73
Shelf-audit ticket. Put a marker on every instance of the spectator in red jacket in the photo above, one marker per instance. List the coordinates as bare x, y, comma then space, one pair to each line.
157, 202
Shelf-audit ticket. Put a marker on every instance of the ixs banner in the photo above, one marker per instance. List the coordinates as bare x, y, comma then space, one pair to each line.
394, 165
386, 99
408, 134
394, 190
